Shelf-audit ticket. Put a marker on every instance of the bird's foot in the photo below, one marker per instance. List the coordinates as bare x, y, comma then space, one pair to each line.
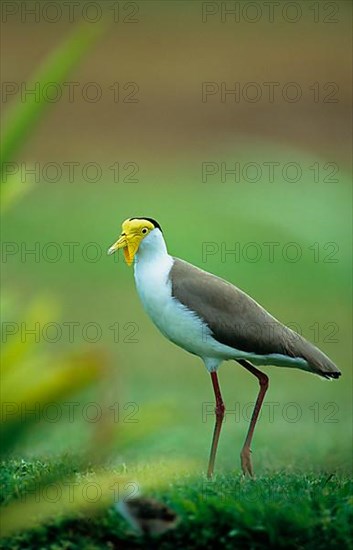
246, 464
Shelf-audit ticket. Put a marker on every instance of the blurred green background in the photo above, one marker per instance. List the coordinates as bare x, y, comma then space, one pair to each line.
169, 133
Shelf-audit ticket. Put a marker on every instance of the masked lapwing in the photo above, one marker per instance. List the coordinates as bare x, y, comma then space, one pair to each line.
212, 319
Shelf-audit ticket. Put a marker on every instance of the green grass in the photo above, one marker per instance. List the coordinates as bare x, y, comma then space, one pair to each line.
282, 509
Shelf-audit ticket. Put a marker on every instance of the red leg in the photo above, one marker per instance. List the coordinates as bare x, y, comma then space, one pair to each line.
219, 410
245, 452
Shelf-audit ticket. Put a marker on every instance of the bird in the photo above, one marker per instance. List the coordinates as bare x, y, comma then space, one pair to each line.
214, 320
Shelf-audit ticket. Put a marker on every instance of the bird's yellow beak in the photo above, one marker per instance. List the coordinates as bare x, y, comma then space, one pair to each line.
128, 247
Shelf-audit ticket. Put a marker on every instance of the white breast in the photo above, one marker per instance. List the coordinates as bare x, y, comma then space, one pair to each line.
173, 319
179, 324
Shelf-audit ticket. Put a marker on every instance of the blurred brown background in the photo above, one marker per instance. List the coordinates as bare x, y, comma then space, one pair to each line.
171, 49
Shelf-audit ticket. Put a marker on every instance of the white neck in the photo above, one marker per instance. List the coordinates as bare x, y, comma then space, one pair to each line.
152, 248
151, 270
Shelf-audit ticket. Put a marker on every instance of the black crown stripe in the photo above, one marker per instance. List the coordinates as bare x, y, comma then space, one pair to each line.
153, 222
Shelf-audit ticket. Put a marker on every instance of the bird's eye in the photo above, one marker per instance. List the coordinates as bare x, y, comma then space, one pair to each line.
144, 231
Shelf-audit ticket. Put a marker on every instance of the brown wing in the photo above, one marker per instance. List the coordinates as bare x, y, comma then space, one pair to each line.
236, 320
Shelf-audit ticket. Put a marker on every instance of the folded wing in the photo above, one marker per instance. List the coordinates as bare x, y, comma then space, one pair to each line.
238, 321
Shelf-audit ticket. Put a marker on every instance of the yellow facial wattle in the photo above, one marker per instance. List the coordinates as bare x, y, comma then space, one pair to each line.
134, 230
